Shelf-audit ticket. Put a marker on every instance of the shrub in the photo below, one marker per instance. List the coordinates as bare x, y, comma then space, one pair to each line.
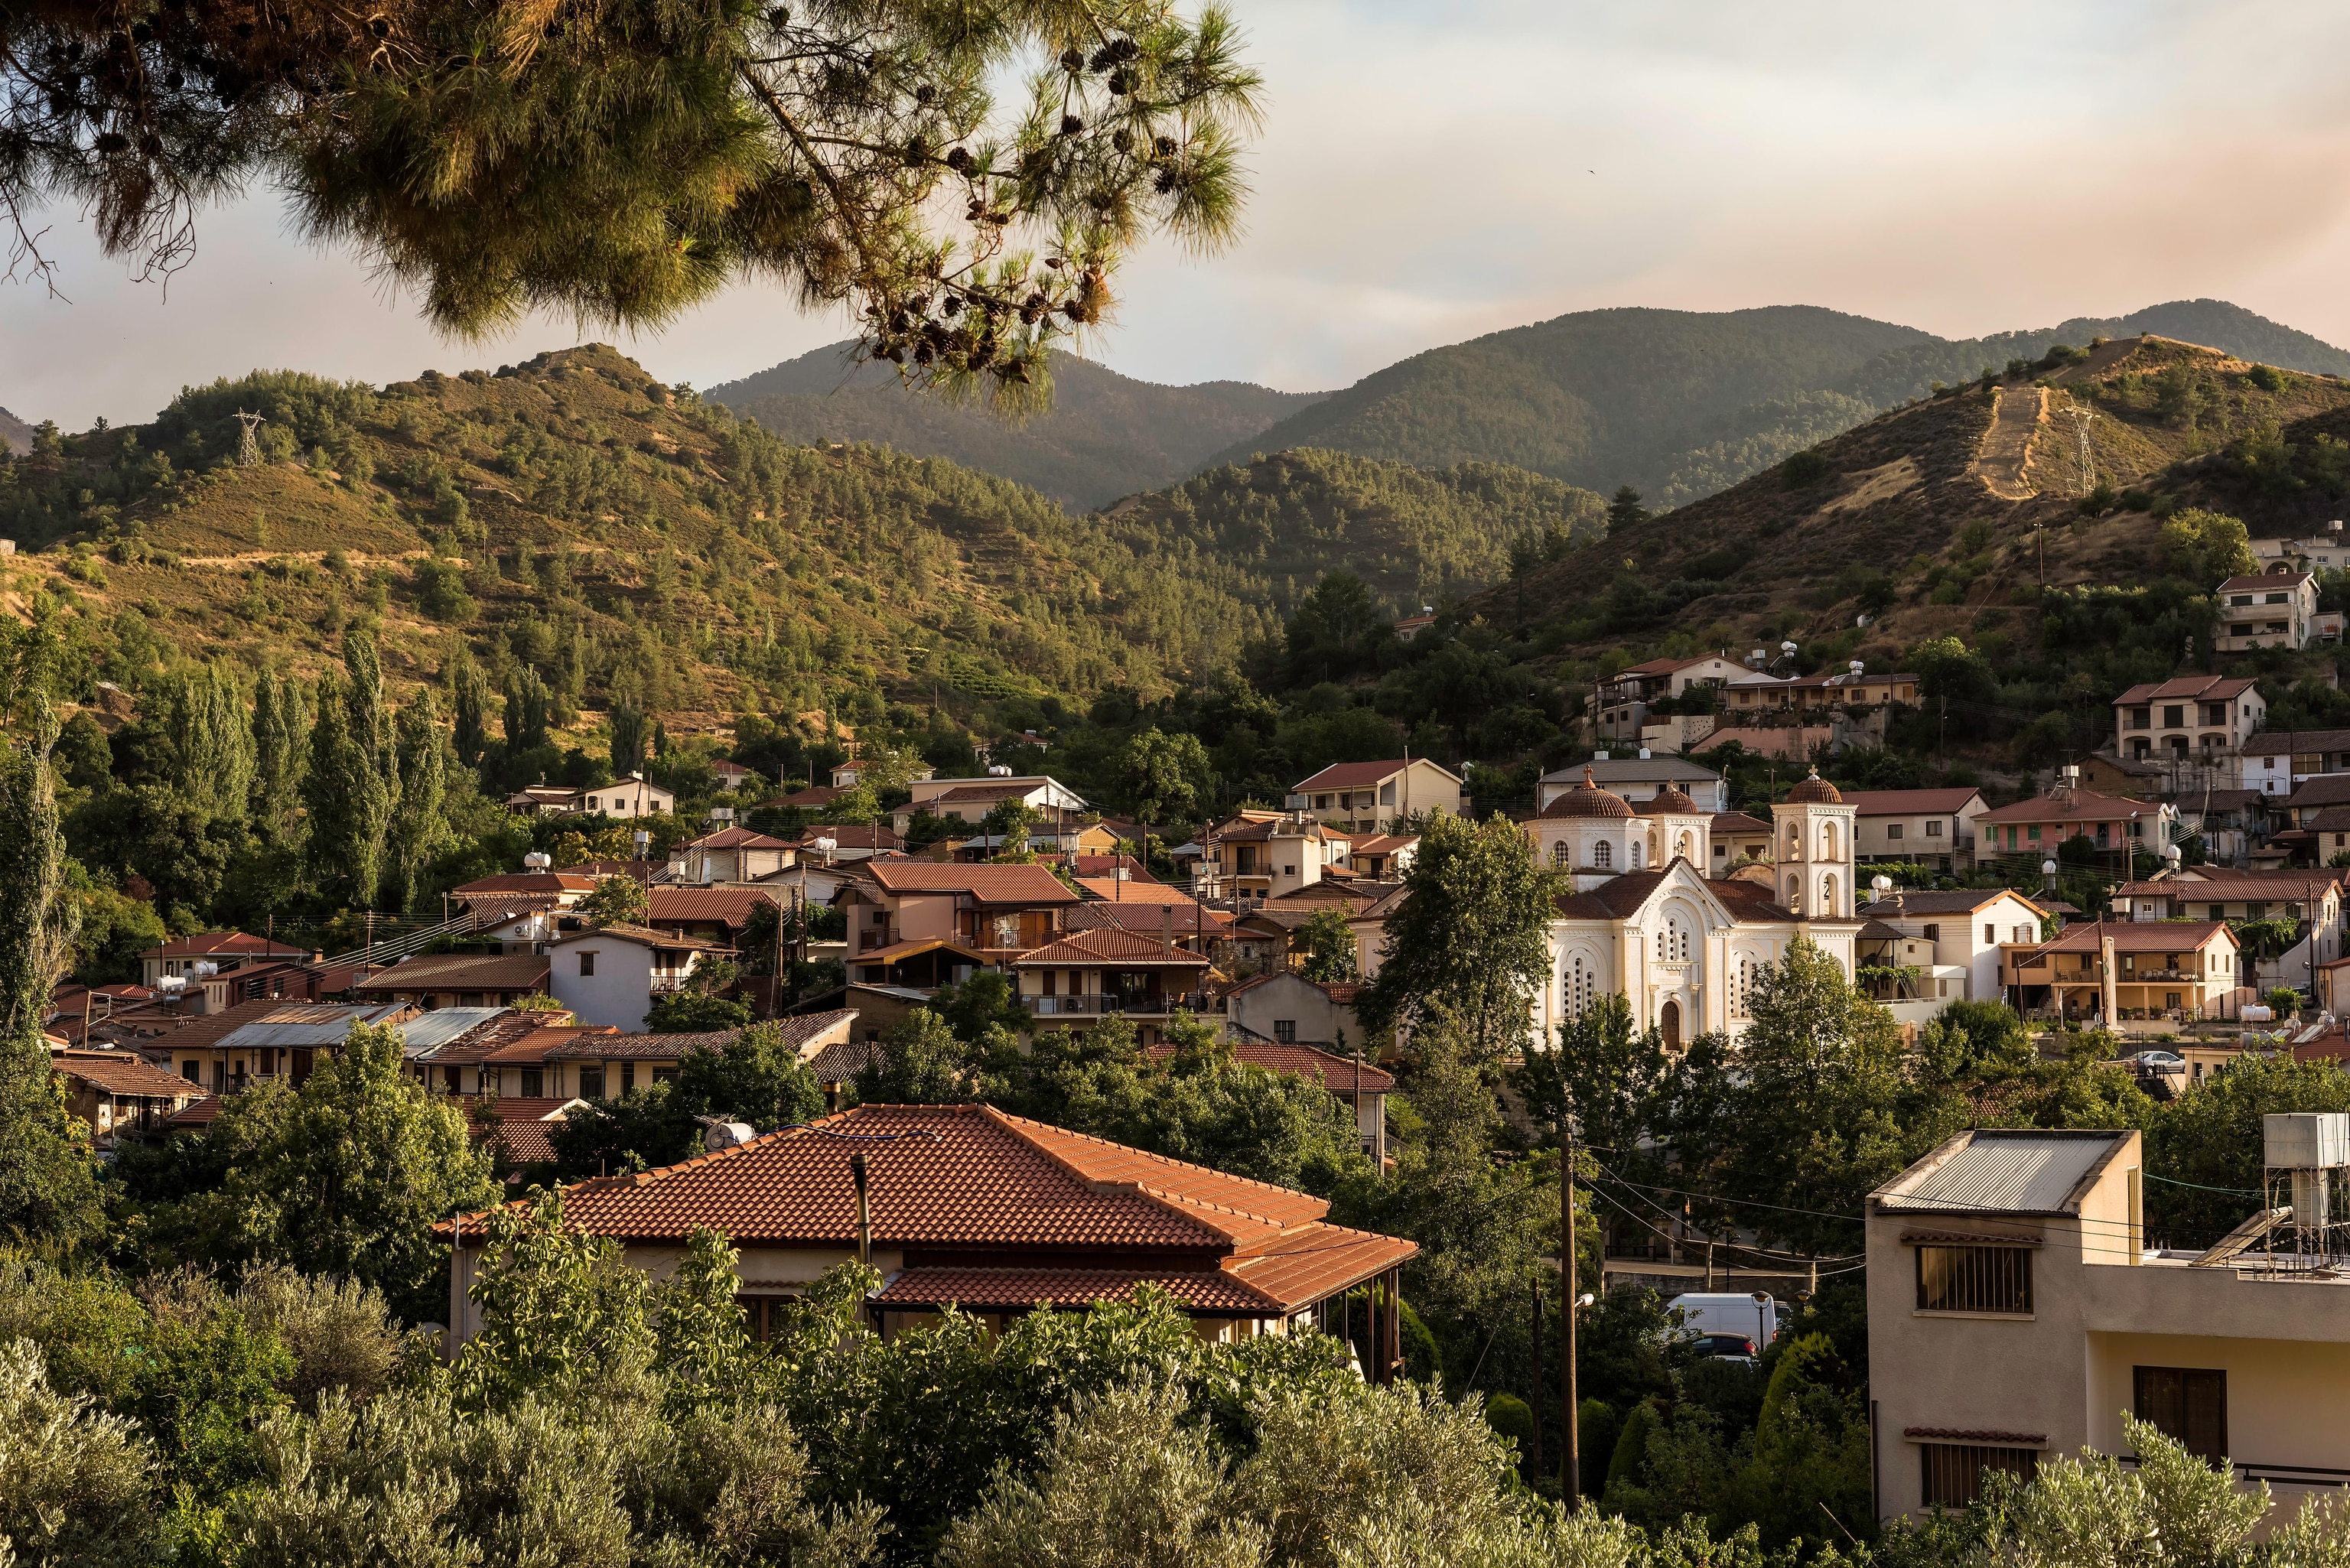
1803, 468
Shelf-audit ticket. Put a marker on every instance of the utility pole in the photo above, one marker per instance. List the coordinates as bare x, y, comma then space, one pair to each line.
1539, 1468
1570, 1442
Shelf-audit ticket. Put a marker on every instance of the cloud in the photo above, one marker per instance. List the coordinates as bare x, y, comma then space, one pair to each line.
1434, 172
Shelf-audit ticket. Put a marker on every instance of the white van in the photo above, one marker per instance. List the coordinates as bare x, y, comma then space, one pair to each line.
1731, 1324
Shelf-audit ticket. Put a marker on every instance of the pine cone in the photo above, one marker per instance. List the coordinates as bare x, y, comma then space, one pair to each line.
925, 93
113, 142
1164, 146
950, 306
781, 16
959, 159
1072, 61
1071, 125
1122, 139
1165, 183
1118, 84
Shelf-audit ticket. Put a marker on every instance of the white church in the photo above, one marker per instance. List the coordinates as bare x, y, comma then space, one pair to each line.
1646, 920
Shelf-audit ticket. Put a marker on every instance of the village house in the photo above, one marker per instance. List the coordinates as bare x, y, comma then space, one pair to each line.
540, 800
211, 954
611, 975
730, 855
1062, 1222
717, 915
730, 776
119, 1094
1258, 856
521, 891
997, 911
1636, 778
833, 844
2322, 550
2155, 974
1972, 927
1383, 856
457, 979
2208, 715
1287, 1009
2040, 826
2276, 609
1088, 974
1934, 828
814, 797
970, 800
1186, 923
2278, 762
1375, 797
1622, 701
2016, 1310
256, 1041
1738, 837
507, 1056
630, 796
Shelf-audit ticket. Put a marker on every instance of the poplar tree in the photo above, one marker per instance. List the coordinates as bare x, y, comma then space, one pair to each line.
525, 713
212, 744
353, 779
420, 830
469, 702
48, 1188
280, 732
628, 738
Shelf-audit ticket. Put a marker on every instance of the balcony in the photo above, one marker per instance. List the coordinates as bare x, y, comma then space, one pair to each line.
1141, 1006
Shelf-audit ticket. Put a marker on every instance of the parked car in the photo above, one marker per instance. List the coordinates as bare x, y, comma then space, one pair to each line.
1752, 1320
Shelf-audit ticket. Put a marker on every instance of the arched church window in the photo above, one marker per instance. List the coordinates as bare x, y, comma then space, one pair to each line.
1602, 855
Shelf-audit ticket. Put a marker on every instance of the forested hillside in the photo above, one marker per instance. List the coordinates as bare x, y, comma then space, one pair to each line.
1681, 404
16, 435
1105, 436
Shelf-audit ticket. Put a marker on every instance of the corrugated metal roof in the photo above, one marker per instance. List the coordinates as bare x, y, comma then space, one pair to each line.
317, 1023
443, 1024
2002, 1172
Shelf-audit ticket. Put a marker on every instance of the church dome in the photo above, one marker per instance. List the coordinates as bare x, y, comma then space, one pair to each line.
1672, 800
1814, 791
1588, 799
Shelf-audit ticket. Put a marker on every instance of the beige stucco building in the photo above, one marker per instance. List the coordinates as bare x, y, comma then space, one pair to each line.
2015, 1310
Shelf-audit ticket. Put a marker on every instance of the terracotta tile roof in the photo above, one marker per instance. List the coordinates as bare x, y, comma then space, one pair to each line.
2277, 742
2325, 789
122, 1073
643, 936
1316, 1261
1385, 843
2225, 889
1109, 889
1751, 900
224, 944
984, 884
1099, 914
542, 883
203, 1114
205, 1030
2081, 806
842, 1060
1739, 821
734, 838
470, 971
1909, 802
1106, 947
800, 1030
1015, 1290
526, 1125
804, 799
2284, 581
972, 794
1355, 893
637, 1047
950, 1176
915, 948
1354, 775
516, 1040
1612, 900
730, 906
2192, 687
2139, 936
1337, 1073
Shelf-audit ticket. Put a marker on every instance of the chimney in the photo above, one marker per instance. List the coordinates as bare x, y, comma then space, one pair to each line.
1167, 927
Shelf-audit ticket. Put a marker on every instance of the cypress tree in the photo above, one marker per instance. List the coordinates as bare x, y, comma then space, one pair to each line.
354, 778
212, 744
628, 738
48, 1186
280, 728
469, 700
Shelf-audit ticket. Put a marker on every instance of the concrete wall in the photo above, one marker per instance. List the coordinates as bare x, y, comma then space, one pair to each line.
618, 993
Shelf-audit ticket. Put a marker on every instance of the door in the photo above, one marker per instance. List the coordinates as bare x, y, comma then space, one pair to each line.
303, 1056
1670, 1021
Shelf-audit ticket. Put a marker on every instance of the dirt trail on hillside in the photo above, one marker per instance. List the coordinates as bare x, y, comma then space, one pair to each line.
2007, 445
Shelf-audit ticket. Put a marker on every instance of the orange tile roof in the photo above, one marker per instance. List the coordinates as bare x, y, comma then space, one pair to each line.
462, 972
601, 1046
1111, 890
1015, 1290
1111, 945
971, 1180
122, 1073
984, 884
527, 882
729, 905
524, 1129
211, 944
734, 839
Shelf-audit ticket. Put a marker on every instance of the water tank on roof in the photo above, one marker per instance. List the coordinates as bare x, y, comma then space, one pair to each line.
537, 861
2306, 1140
998, 771
726, 1134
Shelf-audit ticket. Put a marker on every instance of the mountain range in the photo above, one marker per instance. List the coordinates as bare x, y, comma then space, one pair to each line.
1680, 404
16, 435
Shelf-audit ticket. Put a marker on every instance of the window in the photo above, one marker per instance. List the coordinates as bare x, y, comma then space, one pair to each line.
1934, 829
534, 1083
1975, 1279
1578, 985
192, 1069
1603, 854
591, 1081
628, 1076
1933, 933
1632, 856
586, 964
1954, 1471
2173, 717
1559, 852
1991, 935
1284, 1030
2186, 1403
2141, 718
1892, 830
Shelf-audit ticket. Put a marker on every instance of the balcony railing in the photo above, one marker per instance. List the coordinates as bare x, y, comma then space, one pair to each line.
1166, 1002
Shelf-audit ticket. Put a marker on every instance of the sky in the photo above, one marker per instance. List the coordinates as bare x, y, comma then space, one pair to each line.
1429, 173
